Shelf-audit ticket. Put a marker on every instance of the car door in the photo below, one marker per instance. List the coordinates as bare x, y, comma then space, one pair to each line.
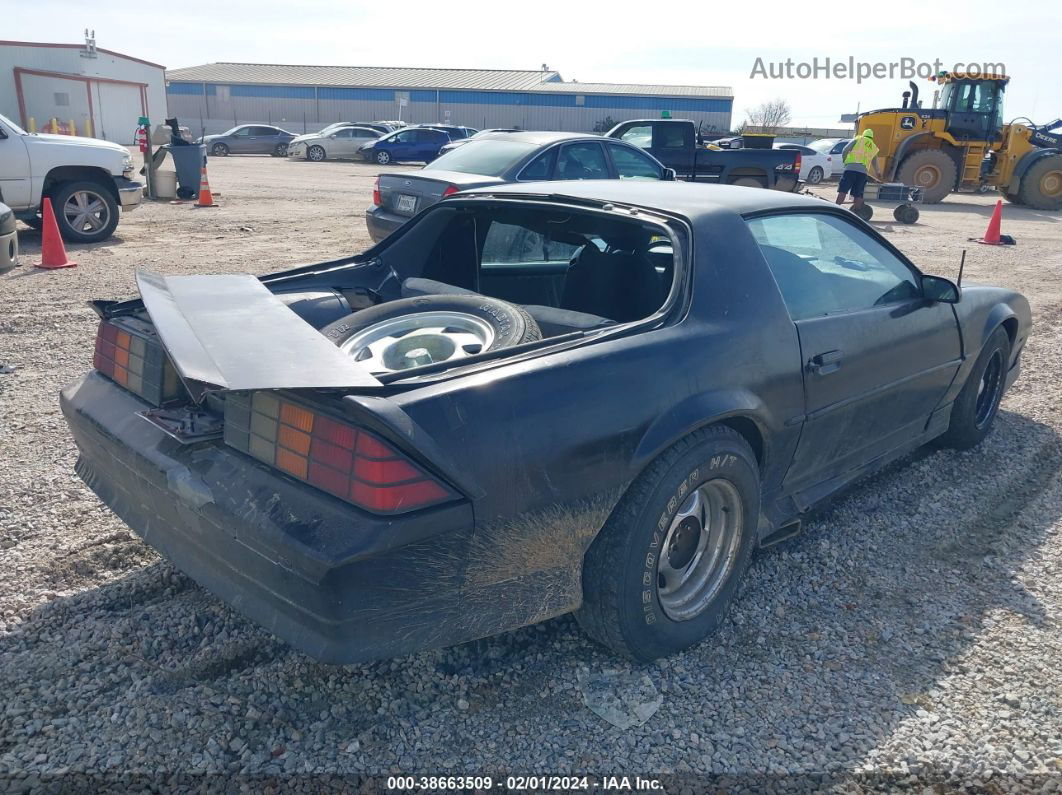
877, 357
239, 142
15, 183
402, 146
837, 153
429, 142
341, 142
359, 137
263, 140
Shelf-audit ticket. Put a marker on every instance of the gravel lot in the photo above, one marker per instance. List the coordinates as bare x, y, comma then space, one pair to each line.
912, 629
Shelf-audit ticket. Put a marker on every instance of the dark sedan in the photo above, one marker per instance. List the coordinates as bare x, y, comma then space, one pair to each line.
595, 397
249, 139
498, 158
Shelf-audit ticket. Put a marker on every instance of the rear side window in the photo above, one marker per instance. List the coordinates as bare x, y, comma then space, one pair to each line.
673, 136
512, 244
823, 265
640, 135
540, 168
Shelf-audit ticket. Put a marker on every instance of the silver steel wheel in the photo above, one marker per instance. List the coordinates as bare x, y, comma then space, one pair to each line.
316, 153
86, 212
700, 549
418, 339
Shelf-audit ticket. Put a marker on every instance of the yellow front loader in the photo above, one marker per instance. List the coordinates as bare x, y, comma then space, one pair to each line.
963, 145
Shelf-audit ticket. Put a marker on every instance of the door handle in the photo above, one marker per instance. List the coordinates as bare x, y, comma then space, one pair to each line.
825, 363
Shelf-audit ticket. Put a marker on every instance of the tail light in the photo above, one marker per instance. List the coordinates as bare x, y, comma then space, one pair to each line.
136, 362
347, 462
796, 165
376, 192
450, 190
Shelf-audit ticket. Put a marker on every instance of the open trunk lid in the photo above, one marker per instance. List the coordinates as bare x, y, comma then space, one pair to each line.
230, 332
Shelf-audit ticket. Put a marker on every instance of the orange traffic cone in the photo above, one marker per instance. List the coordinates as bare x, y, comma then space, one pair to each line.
991, 237
53, 253
206, 198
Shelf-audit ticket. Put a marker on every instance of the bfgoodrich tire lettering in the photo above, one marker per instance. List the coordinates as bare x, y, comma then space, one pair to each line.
622, 589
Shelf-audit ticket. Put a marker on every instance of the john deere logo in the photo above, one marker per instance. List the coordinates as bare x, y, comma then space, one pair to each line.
908, 122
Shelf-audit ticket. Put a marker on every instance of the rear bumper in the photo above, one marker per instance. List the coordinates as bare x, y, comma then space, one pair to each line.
130, 193
381, 223
337, 583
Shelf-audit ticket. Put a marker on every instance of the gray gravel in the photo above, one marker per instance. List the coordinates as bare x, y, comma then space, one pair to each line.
912, 630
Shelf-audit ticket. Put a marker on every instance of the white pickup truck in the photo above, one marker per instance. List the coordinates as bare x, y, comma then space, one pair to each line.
88, 180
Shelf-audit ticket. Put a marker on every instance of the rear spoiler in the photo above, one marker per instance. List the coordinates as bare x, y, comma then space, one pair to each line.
229, 332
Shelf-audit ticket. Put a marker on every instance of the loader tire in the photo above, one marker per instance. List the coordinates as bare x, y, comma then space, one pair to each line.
931, 170
1041, 187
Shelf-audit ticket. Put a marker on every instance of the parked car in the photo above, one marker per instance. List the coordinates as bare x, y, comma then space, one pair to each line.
8, 239
537, 398
834, 147
499, 158
677, 144
409, 143
478, 134
455, 133
814, 165
249, 139
381, 127
337, 143
87, 180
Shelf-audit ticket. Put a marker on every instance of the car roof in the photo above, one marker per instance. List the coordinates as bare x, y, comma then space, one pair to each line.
542, 137
690, 199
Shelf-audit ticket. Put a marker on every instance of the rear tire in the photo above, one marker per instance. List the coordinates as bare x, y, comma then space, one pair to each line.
866, 212
931, 170
815, 176
975, 409
634, 598
1041, 187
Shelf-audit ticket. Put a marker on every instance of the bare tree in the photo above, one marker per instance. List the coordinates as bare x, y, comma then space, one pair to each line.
769, 116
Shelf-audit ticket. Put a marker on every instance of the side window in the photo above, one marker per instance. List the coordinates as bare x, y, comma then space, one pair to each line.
641, 135
582, 161
243, 132
407, 137
823, 265
264, 131
540, 168
838, 147
632, 164
512, 244
346, 132
430, 137
673, 136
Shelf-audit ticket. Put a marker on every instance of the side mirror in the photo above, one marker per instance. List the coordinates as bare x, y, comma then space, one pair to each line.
333, 135
669, 175
937, 288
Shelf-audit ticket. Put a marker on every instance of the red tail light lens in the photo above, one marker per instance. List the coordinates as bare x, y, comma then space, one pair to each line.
136, 362
376, 192
796, 165
347, 462
450, 190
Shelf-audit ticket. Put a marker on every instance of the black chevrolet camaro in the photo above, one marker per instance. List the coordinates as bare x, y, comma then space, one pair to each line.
532, 399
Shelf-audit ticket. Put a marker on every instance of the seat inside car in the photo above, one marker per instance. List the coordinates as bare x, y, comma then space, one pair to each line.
621, 284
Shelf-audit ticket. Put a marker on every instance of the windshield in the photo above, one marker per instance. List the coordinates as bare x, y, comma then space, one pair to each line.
233, 130
14, 127
487, 157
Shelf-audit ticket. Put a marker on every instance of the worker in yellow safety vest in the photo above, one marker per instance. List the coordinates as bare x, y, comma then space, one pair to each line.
858, 162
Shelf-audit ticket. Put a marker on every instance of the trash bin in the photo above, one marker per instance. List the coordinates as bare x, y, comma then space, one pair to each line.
188, 161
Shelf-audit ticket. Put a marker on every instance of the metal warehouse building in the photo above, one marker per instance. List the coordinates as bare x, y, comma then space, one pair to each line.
218, 96
101, 92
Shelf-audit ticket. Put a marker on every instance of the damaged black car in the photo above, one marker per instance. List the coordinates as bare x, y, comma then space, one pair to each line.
530, 400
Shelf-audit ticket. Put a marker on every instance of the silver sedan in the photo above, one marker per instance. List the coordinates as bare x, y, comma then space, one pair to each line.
335, 144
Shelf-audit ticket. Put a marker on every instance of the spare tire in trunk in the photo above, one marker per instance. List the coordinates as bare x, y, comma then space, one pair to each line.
428, 329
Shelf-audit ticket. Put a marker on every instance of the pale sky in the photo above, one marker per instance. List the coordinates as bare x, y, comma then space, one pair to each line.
691, 43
